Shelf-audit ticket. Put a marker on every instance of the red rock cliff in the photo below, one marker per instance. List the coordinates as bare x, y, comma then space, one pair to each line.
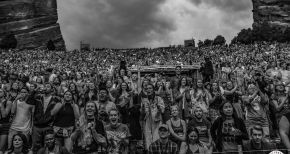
33, 22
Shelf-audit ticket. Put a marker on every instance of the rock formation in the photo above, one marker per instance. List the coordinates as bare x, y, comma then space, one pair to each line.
33, 22
275, 12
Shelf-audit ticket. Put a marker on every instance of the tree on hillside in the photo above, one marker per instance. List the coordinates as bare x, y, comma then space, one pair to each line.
8, 42
50, 45
207, 42
287, 34
219, 40
200, 43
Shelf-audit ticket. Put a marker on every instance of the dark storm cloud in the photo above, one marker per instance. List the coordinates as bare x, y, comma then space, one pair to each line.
113, 23
227, 5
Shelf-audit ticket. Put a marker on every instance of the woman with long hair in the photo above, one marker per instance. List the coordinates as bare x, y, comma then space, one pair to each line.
73, 89
152, 108
89, 137
66, 113
177, 126
124, 102
232, 95
280, 100
182, 96
165, 93
91, 94
14, 91
200, 96
5, 108
19, 145
228, 131
193, 144
22, 115
215, 101
256, 103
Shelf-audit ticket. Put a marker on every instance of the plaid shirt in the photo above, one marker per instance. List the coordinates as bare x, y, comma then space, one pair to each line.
157, 148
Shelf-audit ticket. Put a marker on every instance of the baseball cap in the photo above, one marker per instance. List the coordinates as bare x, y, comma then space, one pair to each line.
163, 126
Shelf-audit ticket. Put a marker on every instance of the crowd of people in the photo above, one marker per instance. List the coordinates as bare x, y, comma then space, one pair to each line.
92, 102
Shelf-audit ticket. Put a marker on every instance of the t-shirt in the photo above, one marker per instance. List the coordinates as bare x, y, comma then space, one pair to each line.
256, 115
228, 139
202, 128
285, 75
114, 136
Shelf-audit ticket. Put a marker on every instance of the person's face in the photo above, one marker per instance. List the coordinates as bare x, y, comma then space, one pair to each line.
64, 76
68, 96
214, 86
178, 70
124, 86
199, 83
174, 111
192, 136
114, 117
49, 140
129, 73
38, 80
109, 84
122, 72
229, 85
79, 77
224, 84
134, 77
15, 85
91, 86
251, 90
145, 83
273, 64
159, 83
23, 93
163, 133
284, 65
20, 85
103, 95
280, 88
207, 86
228, 109
8, 87
17, 142
198, 113
150, 90
48, 88
72, 87
120, 79
32, 87
183, 82
257, 136
90, 109
56, 81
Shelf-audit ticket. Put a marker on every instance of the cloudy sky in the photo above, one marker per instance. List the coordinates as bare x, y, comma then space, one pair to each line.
150, 23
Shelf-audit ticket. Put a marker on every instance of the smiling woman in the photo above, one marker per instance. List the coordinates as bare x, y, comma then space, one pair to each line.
89, 137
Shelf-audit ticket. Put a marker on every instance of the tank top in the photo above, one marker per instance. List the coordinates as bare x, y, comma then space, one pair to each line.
188, 151
6, 119
23, 117
178, 130
288, 118
65, 117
